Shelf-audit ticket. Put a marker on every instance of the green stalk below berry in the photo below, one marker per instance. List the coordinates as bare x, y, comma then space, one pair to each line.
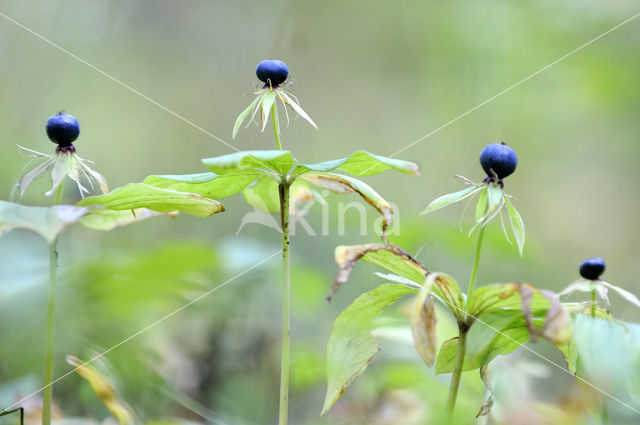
286, 300
48, 356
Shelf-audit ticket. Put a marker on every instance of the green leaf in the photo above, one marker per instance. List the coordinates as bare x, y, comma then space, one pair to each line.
516, 224
485, 343
209, 185
609, 352
387, 256
569, 351
101, 219
451, 198
48, 222
243, 115
361, 163
503, 296
351, 345
263, 195
345, 184
286, 99
251, 162
140, 195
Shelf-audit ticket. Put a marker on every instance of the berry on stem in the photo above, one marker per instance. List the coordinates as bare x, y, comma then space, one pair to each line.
63, 129
498, 159
592, 268
273, 72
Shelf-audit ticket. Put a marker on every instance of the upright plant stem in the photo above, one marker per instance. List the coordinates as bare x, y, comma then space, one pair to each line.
476, 262
593, 303
48, 354
457, 370
286, 299
274, 120
462, 333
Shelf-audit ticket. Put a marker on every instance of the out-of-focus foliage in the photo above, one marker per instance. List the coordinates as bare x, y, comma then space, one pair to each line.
374, 76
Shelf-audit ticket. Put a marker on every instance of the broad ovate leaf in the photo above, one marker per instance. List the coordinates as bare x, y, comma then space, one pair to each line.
452, 198
140, 195
517, 225
251, 162
557, 326
387, 256
48, 222
423, 322
208, 185
101, 219
609, 352
263, 195
351, 345
361, 163
501, 332
502, 296
345, 184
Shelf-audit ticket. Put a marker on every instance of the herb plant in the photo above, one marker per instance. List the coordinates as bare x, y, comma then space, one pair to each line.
275, 182
49, 222
510, 313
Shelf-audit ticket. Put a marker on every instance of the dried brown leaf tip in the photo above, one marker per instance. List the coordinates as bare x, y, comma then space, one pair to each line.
346, 256
423, 326
557, 325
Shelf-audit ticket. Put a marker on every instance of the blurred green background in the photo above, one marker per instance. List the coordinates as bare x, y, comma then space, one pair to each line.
373, 75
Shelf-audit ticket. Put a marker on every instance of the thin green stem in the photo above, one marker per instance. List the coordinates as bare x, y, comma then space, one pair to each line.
593, 303
457, 370
286, 300
476, 262
58, 194
48, 351
48, 357
276, 127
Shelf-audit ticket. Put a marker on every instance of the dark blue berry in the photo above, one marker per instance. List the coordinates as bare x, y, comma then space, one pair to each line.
498, 158
272, 71
63, 129
592, 268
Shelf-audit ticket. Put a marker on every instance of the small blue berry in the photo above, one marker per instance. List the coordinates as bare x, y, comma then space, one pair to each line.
592, 268
63, 129
500, 158
272, 71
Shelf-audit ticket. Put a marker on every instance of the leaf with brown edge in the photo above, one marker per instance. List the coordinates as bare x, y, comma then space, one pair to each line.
346, 256
423, 322
557, 325
344, 184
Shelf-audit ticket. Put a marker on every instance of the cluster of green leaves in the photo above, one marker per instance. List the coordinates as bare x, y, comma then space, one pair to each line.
511, 314
259, 173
